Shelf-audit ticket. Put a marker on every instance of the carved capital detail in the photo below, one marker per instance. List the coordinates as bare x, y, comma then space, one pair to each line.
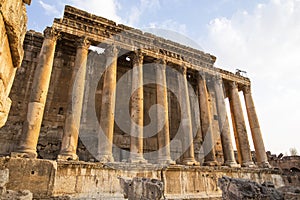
137, 57
201, 75
160, 63
217, 79
111, 51
83, 42
183, 70
246, 89
51, 33
233, 85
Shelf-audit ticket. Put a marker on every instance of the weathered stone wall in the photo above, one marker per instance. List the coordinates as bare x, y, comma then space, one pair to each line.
290, 165
95, 180
13, 25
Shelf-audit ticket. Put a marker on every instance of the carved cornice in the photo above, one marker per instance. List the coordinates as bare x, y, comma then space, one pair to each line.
51, 33
103, 31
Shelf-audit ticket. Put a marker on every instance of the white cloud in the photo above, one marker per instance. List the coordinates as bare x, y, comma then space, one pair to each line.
266, 43
103, 8
49, 9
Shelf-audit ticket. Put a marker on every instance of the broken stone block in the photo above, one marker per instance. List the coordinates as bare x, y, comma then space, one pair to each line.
235, 189
142, 188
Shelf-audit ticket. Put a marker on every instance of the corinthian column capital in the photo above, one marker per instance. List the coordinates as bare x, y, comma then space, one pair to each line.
111, 51
183, 69
160, 63
137, 57
51, 33
83, 43
233, 85
247, 89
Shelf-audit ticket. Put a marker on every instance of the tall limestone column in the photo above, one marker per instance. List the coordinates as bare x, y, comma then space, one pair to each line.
260, 151
108, 106
76, 91
229, 159
137, 110
163, 135
239, 127
38, 96
186, 121
206, 122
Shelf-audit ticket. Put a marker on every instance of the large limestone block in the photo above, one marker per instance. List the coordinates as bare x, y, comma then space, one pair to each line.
15, 20
4, 175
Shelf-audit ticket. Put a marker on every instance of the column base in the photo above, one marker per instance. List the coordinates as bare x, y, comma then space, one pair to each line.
232, 164
249, 164
210, 163
67, 157
137, 159
265, 164
166, 161
29, 154
190, 162
105, 158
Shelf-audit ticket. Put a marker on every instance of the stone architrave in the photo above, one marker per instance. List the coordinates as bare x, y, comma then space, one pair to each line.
239, 127
228, 152
188, 157
206, 122
38, 96
163, 135
108, 106
75, 101
260, 151
137, 110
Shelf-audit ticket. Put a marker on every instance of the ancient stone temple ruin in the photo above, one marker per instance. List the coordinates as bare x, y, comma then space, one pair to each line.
100, 107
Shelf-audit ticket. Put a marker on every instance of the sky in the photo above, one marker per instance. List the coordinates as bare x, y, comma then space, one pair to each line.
261, 37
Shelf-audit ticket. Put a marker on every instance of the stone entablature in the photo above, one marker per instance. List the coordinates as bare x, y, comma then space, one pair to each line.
101, 30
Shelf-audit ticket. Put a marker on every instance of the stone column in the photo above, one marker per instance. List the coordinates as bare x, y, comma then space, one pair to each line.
239, 127
76, 91
261, 156
206, 122
228, 152
163, 136
108, 106
137, 110
186, 122
38, 96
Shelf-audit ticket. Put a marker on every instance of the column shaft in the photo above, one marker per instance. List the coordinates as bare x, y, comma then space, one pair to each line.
137, 110
239, 127
38, 96
261, 156
186, 122
163, 135
108, 106
227, 147
206, 123
75, 101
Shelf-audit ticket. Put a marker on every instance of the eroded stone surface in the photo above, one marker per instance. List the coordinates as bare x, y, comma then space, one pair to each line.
13, 25
235, 189
142, 188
